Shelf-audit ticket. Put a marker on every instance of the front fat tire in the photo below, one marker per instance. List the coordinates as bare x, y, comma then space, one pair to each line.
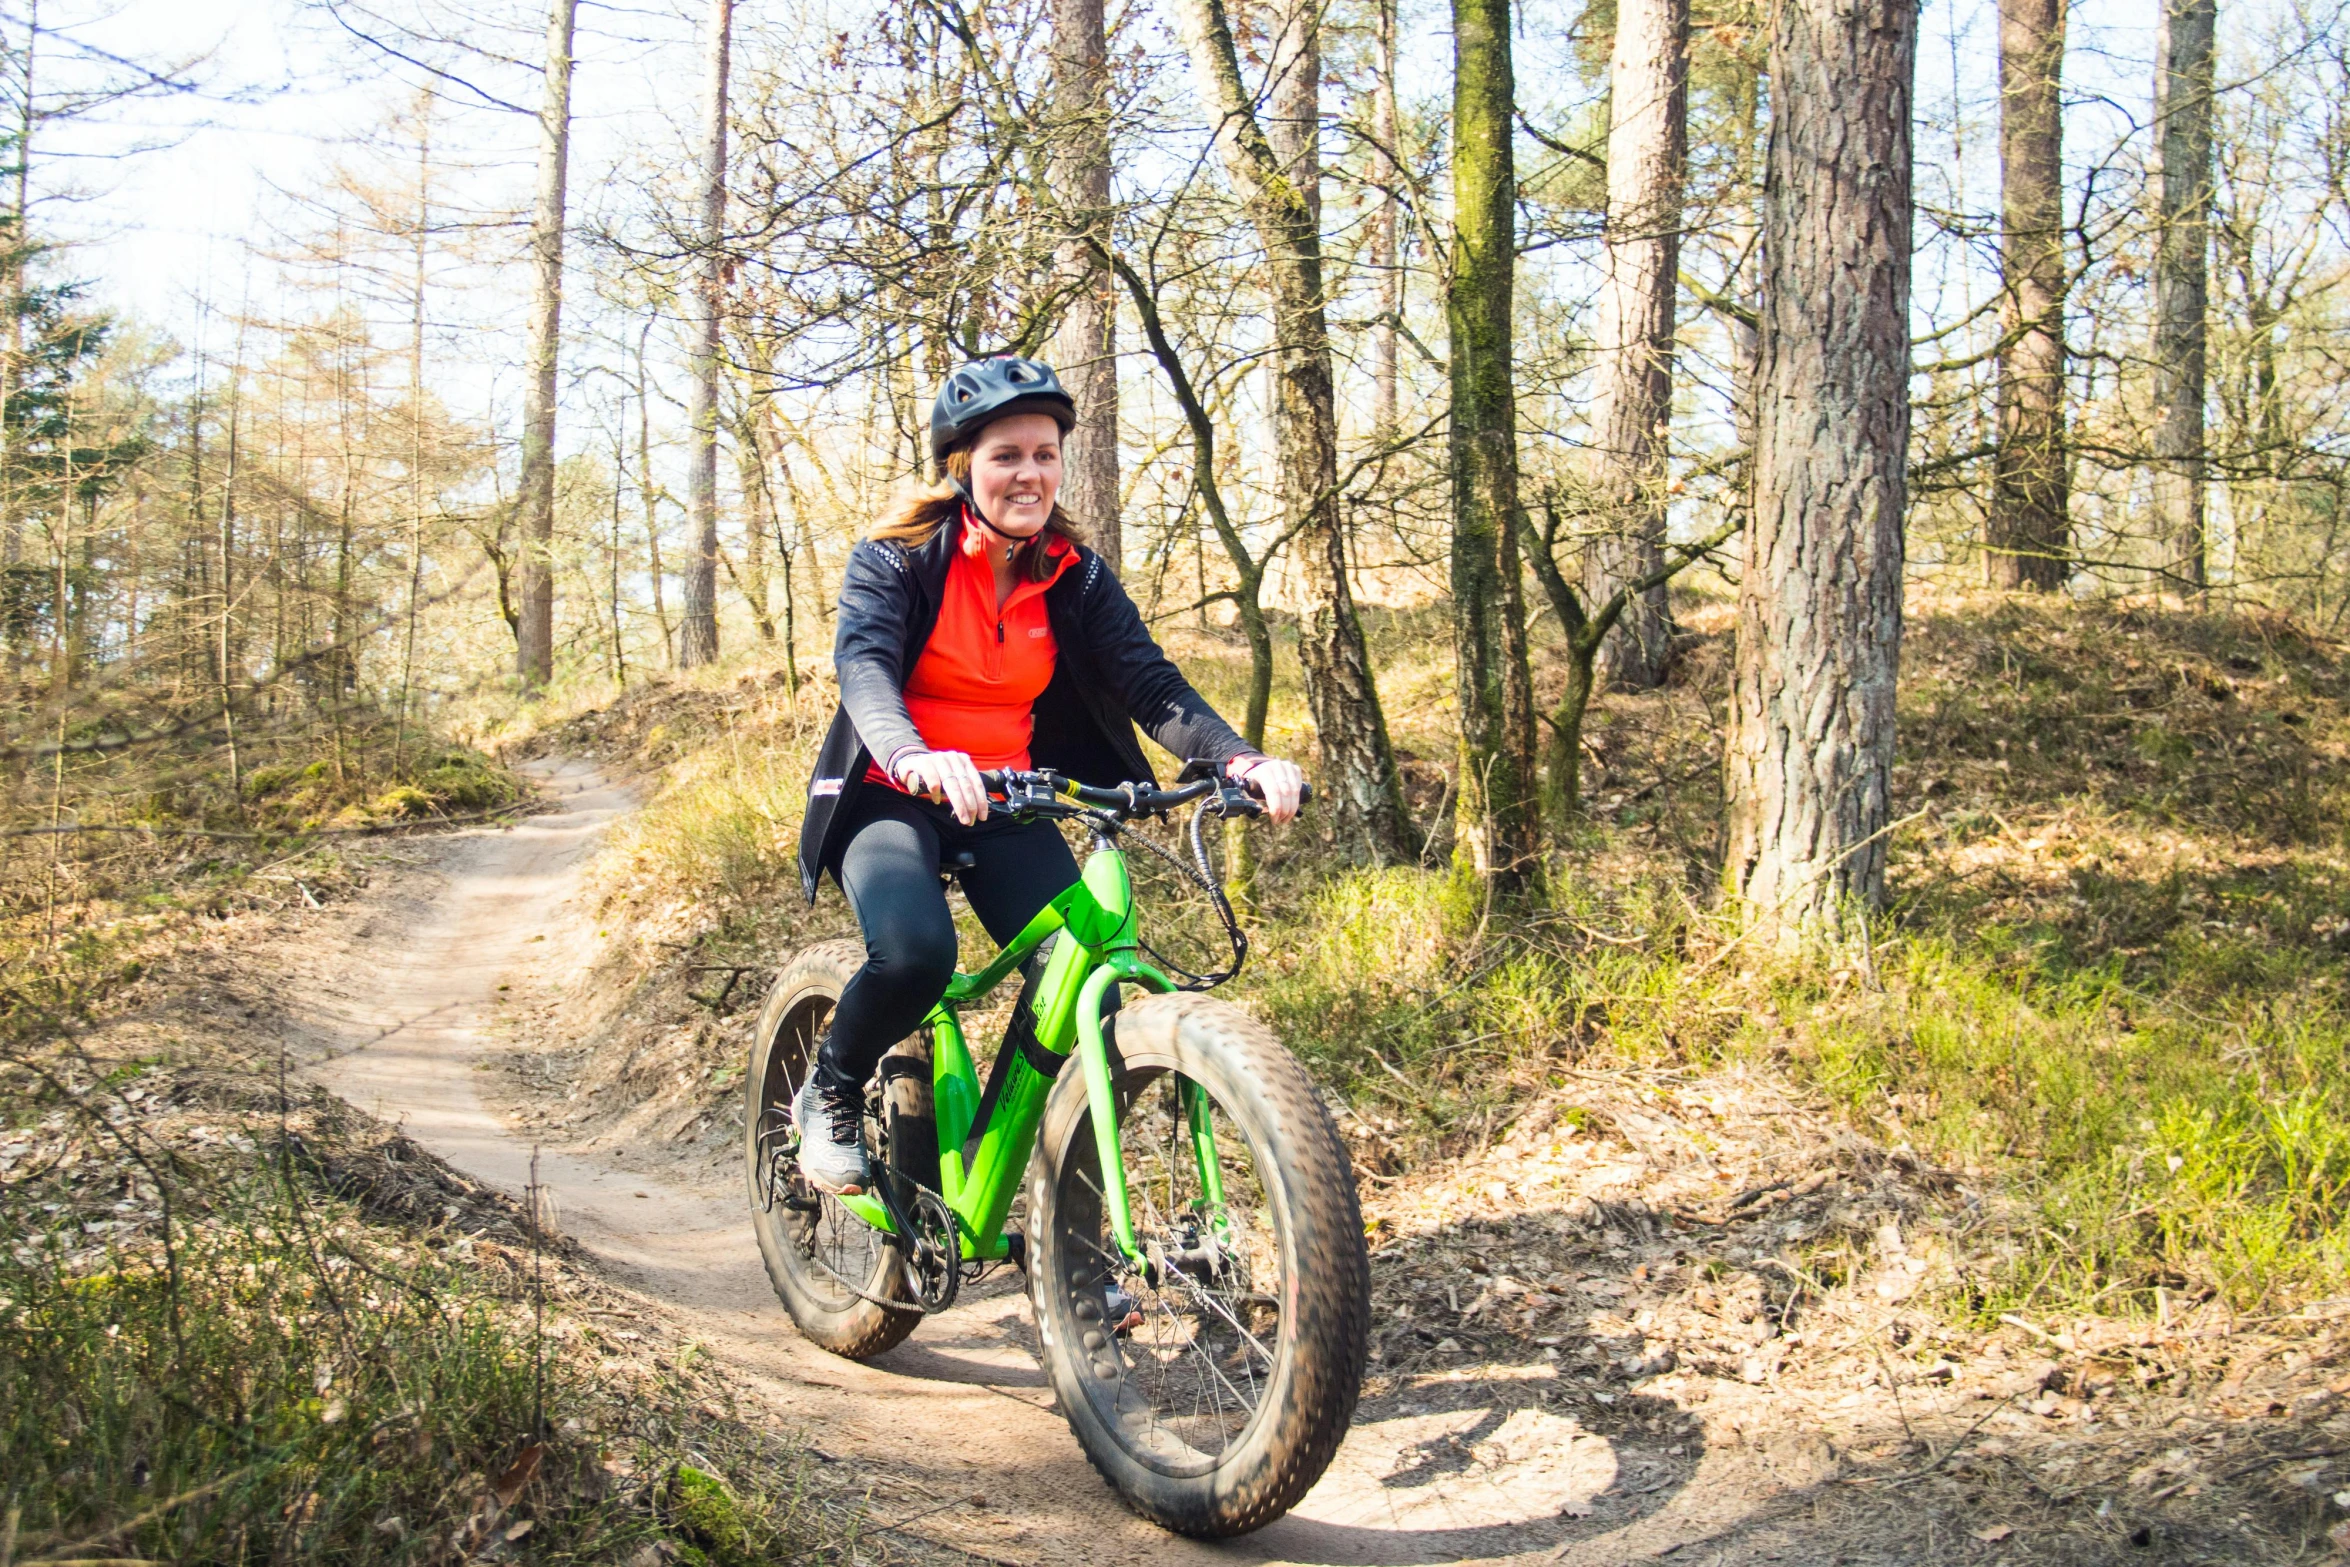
798, 1004
1325, 1286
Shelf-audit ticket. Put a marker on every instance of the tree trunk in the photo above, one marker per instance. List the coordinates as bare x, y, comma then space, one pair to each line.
750, 467
2026, 535
422, 230
1386, 230
12, 262
1647, 161
1356, 761
1087, 344
697, 636
1496, 826
649, 499
2182, 207
1810, 751
534, 632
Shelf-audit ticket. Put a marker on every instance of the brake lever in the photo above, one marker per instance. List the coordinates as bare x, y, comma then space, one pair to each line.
1027, 795
1233, 799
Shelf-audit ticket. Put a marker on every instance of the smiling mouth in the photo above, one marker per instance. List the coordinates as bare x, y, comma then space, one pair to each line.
1023, 498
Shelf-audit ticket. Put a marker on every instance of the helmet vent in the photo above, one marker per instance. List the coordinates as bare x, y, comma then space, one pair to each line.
990, 389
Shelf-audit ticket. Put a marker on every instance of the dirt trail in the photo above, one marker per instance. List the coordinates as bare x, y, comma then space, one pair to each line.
956, 1428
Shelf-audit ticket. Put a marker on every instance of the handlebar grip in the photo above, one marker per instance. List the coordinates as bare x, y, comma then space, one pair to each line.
1305, 790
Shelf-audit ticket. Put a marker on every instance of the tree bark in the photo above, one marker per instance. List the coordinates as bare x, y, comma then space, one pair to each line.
649, 498
1356, 761
759, 513
1086, 346
2027, 535
1647, 162
1386, 230
1496, 825
13, 258
2182, 207
1810, 751
697, 640
534, 632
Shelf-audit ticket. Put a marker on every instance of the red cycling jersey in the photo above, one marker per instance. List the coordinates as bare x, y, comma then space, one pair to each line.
974, 689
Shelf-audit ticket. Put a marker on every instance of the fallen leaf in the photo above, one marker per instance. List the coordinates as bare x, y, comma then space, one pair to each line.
519, 1530
518, 1474
1994, 1534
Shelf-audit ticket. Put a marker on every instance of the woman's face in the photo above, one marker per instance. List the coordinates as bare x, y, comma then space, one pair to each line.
1016, 472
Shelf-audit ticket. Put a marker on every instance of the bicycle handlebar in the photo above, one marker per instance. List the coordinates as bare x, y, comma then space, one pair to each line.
1029, 790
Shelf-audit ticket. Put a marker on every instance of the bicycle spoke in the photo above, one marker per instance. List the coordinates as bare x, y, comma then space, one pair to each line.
1196, 1367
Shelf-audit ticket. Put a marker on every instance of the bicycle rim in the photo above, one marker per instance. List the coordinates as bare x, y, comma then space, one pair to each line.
850, 1259
1183, 1352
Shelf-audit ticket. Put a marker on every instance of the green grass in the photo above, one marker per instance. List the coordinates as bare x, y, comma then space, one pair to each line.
293, 1378
2111, 988
723, 826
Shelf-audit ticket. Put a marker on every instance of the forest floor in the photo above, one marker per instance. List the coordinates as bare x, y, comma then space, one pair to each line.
1699, 1303
1689, 1307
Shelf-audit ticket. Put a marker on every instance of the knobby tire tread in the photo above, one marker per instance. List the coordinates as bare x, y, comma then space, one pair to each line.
861, 1330
1334, 1287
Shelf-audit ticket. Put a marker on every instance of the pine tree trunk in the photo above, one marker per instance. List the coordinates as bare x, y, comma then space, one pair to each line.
1496, 822
13, 257
1086, 347
697, 639
1810, 750
1356, 761
2027, 537
1647, 159
1386, 230
534, 632
649, 500
750, 469
2182, 203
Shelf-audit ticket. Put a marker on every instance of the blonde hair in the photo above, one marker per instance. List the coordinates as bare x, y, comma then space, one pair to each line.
916, 517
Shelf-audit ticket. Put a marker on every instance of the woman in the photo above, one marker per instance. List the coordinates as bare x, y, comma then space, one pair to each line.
976, 632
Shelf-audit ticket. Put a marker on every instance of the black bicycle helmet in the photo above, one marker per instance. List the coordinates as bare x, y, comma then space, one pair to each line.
990, 389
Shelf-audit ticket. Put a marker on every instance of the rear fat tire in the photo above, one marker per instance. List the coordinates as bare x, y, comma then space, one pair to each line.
798, 1004
1325, 1285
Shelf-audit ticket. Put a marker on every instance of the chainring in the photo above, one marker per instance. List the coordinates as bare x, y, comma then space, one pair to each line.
934, 1251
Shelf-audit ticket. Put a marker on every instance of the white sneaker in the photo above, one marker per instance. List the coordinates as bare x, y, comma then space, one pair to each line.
832, 1149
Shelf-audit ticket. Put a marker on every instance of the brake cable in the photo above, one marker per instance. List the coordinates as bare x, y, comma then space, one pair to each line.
1201, 874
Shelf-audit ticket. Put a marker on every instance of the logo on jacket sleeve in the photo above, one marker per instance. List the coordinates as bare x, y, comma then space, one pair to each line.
823, 786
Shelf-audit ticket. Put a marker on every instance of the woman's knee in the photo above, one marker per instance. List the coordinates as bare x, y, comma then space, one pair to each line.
917, 953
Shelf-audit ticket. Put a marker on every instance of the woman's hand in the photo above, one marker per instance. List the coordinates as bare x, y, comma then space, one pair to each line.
1279, 784
943, 775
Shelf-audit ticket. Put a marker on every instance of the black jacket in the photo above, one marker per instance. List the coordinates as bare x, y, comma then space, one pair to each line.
1108, 676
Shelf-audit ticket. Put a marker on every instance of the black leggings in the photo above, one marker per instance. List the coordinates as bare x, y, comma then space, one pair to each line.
889, 869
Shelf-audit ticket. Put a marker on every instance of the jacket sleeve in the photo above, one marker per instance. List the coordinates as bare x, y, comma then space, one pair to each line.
868, 648
1145, 681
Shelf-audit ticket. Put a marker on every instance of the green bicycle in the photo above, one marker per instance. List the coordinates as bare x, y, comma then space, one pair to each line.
1193, 1242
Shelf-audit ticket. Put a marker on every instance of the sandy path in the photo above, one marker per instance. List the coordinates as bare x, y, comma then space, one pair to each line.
961, 1413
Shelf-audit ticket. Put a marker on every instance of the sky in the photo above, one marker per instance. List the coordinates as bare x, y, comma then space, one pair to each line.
287, 91
285, 83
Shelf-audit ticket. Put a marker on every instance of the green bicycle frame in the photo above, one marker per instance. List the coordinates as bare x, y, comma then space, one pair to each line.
1098, 948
